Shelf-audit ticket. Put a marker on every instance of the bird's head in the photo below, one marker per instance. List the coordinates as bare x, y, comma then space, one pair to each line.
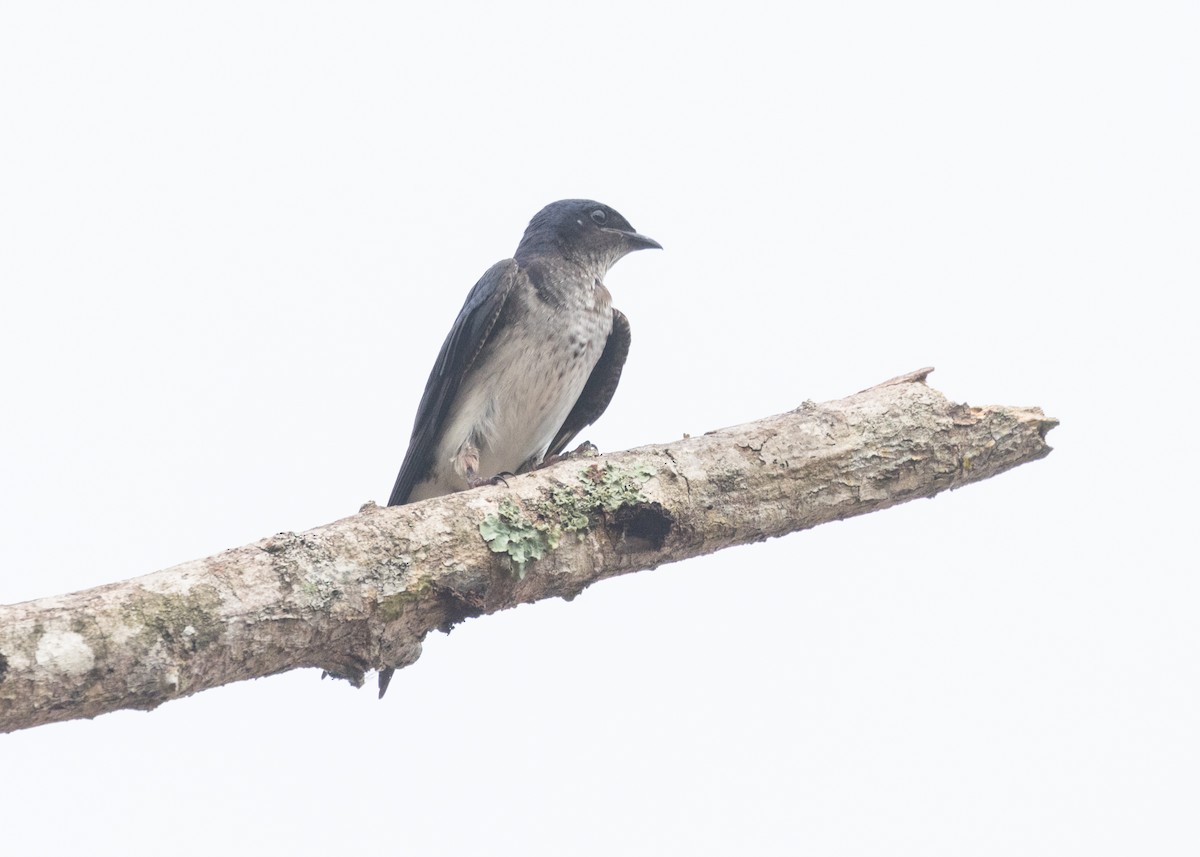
583, 231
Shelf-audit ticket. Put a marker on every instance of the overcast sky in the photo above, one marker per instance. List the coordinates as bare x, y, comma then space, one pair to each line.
234, 235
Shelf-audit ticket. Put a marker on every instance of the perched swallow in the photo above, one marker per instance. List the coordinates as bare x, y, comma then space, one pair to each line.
533, 357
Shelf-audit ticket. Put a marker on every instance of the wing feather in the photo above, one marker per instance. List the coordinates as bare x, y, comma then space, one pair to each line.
600, 387
466, 340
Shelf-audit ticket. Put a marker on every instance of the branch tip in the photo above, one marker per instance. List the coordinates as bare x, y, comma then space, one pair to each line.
917, 376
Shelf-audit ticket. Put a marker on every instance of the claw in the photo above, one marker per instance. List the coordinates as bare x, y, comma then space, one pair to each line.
474, 481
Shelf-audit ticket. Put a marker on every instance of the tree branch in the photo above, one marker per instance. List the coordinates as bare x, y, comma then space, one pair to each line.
363, 592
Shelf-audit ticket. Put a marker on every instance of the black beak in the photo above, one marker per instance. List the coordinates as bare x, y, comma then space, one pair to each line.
636, 240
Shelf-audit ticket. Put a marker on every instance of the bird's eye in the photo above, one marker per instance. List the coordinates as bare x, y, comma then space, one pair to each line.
599, 216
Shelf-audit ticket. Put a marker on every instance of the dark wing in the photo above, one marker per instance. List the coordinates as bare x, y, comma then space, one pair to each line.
601, 385
466, 340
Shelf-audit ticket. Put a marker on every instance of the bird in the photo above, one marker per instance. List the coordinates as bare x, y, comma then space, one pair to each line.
533, 357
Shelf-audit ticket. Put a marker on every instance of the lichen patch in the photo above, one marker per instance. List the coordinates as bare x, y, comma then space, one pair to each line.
65, 652
568, 509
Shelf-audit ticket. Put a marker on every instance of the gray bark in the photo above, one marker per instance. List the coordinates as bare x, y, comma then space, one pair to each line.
363, 592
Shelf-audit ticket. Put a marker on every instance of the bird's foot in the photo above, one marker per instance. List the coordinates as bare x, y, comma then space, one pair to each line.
476, 481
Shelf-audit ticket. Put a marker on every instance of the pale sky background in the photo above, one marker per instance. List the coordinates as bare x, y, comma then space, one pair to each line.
233, 236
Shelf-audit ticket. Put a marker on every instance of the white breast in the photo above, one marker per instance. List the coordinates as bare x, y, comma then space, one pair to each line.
517, 397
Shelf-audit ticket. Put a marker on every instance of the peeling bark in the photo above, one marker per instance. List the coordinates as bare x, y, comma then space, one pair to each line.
363, 592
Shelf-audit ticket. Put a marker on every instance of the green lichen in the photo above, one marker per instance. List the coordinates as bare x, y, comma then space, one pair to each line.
522, 538
568, 509
392, 607
319, 592
188, 620
603, 489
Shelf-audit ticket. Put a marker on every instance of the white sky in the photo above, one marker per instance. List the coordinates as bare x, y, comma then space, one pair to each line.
234, 235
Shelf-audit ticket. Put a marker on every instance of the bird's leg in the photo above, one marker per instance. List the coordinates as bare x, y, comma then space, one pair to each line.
474, 480
467, 464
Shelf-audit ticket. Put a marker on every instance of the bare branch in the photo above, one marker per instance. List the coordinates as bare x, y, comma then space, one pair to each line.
362, 593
